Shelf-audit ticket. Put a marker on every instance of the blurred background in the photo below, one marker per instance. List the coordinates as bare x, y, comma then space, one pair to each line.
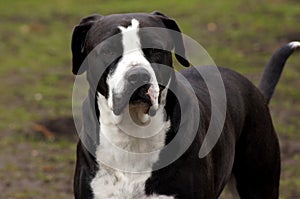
37, 136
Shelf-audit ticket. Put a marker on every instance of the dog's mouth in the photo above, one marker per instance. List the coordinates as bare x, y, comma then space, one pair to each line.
143, 99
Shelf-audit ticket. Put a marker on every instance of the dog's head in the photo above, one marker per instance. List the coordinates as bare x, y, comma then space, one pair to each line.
129, 50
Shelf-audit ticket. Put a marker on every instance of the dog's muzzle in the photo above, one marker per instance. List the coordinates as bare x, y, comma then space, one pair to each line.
139, 91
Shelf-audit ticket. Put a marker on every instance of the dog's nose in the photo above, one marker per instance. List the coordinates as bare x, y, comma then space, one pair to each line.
138, 76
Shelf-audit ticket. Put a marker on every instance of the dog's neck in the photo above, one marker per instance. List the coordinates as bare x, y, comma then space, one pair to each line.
128, 134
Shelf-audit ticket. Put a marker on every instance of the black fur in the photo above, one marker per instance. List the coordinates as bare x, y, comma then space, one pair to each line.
273, 71
78, 42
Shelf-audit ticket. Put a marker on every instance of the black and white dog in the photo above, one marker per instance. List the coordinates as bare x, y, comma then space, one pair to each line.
137, 110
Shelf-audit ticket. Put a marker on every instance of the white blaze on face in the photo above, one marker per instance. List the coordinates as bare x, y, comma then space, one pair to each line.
133, 57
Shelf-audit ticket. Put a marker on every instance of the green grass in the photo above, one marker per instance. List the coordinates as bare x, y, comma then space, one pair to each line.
36, 79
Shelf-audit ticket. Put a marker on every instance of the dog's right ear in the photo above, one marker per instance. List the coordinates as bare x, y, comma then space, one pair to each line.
78, 41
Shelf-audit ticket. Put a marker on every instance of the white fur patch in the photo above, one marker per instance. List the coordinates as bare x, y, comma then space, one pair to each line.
133, 57
294, 44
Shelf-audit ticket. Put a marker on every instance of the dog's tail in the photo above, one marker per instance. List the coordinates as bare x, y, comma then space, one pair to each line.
274, 69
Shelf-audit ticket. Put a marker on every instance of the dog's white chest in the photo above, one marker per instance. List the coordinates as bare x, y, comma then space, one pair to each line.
122, 173
111, 184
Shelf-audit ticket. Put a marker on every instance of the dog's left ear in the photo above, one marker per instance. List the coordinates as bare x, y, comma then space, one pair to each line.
78, 41
177, 38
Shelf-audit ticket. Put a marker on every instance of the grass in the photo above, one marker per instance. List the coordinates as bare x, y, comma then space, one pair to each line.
36, 79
